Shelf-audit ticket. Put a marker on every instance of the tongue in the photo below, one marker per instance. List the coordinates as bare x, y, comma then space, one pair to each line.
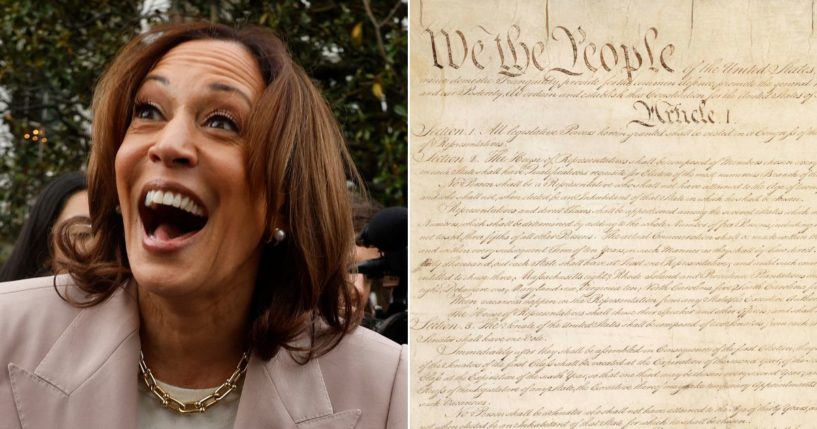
167, 231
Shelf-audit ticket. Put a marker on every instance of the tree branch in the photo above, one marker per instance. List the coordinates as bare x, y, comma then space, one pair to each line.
393, 10
367, 5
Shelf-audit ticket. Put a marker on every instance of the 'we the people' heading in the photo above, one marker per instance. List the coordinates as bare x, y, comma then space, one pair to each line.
516, 57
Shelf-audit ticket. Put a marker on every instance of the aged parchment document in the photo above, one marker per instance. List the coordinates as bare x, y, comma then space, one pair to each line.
614, 214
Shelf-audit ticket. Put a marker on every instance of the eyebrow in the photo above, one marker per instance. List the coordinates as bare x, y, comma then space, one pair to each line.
228, 88
213, 87
158, 78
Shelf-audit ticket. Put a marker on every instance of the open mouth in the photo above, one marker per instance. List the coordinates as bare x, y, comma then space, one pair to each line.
167, 215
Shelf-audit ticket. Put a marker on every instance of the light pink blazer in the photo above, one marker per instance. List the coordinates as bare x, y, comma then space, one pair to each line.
64, 367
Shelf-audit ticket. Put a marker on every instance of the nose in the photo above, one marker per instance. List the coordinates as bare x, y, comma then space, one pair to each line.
174, 146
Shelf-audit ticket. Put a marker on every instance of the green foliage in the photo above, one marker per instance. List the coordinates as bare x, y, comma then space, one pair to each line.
52, 53
50, 57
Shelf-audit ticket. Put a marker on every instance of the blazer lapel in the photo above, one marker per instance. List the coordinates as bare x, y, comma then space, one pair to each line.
284, 394
89, 377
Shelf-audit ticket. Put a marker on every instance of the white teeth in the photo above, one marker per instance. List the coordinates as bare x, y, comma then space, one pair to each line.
169, 198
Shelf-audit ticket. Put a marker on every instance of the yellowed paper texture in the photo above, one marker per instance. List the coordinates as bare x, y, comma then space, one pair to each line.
614, 214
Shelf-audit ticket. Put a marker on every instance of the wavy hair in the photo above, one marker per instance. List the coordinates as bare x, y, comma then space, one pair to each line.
295, 155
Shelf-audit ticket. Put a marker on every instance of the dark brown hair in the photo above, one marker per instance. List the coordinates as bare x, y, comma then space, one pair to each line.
296, 157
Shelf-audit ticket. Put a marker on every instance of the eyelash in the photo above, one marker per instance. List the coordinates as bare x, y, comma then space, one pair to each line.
140, 105
226, 115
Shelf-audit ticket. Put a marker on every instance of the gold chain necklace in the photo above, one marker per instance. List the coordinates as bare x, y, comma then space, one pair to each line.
202, 404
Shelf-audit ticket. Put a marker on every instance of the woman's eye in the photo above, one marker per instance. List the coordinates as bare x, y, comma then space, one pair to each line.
147, 111
221, 121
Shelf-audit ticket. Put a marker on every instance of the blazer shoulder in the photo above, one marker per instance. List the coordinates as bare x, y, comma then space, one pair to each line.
34, 297
367, 337
366, 371
29, 285
32, 316
371, 349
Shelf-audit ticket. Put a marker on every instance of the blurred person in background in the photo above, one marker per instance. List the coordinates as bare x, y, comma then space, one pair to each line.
63, 198
363, 209
381, 256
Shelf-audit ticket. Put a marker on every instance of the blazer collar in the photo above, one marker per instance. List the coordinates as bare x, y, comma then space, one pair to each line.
88, 377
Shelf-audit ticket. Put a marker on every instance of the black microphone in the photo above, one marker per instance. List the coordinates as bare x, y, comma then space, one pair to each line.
387, 230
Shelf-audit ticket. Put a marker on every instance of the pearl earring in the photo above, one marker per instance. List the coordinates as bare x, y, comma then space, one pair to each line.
278, 235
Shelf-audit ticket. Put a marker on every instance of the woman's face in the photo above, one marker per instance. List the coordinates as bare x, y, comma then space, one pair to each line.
75, 205
192, 224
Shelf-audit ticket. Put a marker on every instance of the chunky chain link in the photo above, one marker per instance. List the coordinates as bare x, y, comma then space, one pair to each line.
202, 404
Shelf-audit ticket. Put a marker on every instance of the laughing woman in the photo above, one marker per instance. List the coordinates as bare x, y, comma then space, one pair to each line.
215, 292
